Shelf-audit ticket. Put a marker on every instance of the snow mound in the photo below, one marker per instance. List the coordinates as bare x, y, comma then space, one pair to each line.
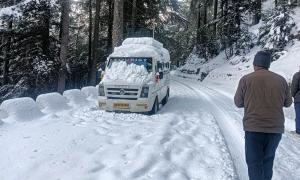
21, 109
144, 40
132, 73
91, 92
142, 47
52, 102
75, 97
3, 114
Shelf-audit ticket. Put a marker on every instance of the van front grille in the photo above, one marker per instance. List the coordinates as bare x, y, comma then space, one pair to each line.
122, 93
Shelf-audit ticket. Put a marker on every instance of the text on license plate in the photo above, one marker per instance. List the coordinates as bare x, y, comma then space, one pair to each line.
121, 106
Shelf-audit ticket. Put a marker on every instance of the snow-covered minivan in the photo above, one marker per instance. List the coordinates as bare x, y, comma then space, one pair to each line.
136, 78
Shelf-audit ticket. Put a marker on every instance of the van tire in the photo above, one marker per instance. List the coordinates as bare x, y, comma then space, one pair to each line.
166, 98
155, 107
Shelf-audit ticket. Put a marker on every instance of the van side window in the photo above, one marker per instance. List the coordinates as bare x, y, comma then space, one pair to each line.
167, 65
159, 66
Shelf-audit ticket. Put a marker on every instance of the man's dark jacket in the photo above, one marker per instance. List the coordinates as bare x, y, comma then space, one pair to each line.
263, 94
296, 87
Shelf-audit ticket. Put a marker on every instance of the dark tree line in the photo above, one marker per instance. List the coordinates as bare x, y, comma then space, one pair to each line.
53, 45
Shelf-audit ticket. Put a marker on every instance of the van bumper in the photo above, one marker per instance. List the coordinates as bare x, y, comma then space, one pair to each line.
120, 105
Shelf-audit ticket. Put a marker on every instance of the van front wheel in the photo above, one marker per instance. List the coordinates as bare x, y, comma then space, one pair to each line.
155, 107
166, 98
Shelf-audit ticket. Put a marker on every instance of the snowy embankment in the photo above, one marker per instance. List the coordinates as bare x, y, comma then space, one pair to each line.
67, 141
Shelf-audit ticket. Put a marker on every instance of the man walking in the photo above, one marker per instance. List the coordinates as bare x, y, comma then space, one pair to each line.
296, 95
262, 94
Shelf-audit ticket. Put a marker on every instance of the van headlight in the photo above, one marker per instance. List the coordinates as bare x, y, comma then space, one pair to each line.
145, 92
101, 91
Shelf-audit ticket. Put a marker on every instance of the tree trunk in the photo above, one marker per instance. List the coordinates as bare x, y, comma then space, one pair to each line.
7, 54
118, 23
46, 31
198, 38
133, 14
256, 5
93, 66
215, 16
65, 21
110, 25
8, 49
90, 35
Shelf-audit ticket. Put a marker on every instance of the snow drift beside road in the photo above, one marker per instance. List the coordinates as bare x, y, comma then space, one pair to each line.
52, 102
21, 109
75, 97
90, 92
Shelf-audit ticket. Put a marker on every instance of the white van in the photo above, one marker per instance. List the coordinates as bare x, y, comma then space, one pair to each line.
136, 78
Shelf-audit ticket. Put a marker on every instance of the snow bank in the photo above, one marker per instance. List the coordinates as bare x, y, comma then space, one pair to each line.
144, 41
21, 109
75, 97
289, 63
3, 114
52, 102
91, 92
142, 47
198, 68
132, 73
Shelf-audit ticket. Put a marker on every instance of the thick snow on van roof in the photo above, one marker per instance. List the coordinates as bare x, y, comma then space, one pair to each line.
142, 47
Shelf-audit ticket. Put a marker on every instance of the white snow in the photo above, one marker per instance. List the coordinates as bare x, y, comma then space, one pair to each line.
142, 47
183, 142
143, 41
52, 102
91, 92
198, 135
75, 97
3, 114
129, 73
21, 109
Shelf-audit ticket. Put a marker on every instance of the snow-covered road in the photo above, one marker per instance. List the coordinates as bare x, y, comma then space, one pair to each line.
196, 136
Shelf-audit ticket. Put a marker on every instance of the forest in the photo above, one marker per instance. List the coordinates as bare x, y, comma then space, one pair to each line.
53, 45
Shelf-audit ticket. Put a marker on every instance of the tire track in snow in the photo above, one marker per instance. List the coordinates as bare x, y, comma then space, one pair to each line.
234, 139
191, 92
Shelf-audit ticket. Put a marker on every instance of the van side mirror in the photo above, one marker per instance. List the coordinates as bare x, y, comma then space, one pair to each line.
161, 75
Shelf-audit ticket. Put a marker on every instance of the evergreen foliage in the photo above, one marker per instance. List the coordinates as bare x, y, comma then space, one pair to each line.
276, 31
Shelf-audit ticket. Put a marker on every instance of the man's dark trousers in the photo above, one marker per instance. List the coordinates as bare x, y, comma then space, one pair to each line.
260, 154
297, 110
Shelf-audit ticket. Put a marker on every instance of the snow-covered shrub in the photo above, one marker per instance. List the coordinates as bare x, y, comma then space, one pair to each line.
275, 34
9, 91
237, 59
245, 42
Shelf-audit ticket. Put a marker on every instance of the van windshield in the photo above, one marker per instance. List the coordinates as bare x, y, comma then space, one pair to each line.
141, 61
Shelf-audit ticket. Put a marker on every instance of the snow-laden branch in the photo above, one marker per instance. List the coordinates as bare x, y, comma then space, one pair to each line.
15, 9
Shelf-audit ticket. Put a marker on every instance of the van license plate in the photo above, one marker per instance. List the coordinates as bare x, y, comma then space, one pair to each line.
121, 106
